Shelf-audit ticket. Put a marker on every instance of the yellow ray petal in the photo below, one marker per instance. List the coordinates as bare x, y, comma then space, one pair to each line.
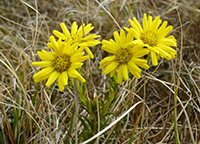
103, 65
154, 58
42, 63
138, 25
133, 66
43, 72
65, 29
61, 44
163, 53
73, 73
125, 71
83, 58
89, 52
112, 72
45, 56
167, 48
145, 22
76, 65
141, 53
119, 75
114, 43
90, 37
88, 28
122, 37
54, 75
74, 28
108, 59
109, 47
137, 48
151, 49
127, 29
71, 49
60, 35
162, 27
49, 45
117, 38
134, 26
76, 56
62, 80
133, 72
80, 31
135, 43
129, 38
81, 47
138, 41
140, 62
171, 38
64, 77
81, 78
60, 84
167, 42
110, 67
92, 42
144, 65
134, 32
154, 26
54, 44
66, 48
36, 80
164, 32
149, 22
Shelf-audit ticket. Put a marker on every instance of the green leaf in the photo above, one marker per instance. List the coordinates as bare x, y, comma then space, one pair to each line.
108, 103
1, 138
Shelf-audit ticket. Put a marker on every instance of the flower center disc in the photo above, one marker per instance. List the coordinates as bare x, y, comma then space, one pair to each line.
76, 38
149, 38
123, 55
62, 63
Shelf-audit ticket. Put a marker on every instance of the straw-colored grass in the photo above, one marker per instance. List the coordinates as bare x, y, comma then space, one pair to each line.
161, 107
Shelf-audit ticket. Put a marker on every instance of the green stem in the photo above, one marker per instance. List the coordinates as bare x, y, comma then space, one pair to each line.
175, 113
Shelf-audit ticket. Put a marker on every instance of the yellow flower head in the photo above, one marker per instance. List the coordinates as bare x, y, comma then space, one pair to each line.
77, 36
60, 64
126, 56
154, 37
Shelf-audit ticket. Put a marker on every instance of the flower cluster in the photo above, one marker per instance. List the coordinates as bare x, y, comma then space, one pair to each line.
126, 56
67, 56
127, 50
77, 36
154, 37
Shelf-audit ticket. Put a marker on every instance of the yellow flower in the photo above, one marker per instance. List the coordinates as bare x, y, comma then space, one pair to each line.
60, 64
77, 36
126, 56
154, 37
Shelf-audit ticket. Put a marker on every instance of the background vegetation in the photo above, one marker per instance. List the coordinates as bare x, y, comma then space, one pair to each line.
32, 113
